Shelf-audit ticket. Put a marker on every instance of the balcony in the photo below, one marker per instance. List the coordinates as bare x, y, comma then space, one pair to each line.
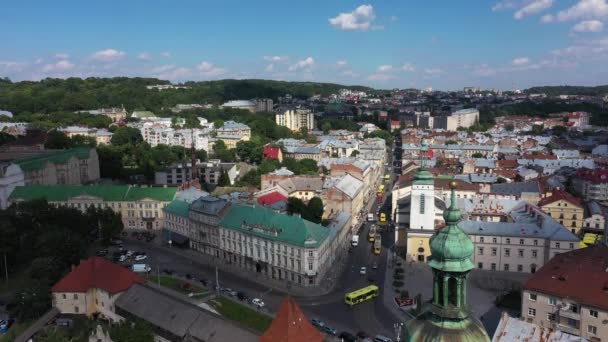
568, 329
570, 314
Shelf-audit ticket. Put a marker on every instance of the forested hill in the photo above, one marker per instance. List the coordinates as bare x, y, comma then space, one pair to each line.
570, 90
53, 95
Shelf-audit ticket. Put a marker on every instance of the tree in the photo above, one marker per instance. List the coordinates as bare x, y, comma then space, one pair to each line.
559, 130
57, 140
477, 155
538, 129
295, 206
224, 180
354, 153
509, 128
326, 127
314, 210
126, 136
131, 331
30, 303
6, 138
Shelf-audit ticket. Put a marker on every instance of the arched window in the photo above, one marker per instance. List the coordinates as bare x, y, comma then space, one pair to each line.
453, 291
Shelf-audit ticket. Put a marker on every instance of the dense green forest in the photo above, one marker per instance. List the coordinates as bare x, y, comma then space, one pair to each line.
543, 109
56, 95
569, 90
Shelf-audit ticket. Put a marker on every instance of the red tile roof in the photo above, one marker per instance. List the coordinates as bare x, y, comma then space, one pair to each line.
506, 164
271, 152
271, 198
291, 325
559, 195
594, 176
99, 273
580, 275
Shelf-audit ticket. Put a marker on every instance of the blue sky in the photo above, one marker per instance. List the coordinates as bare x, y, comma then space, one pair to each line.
383, 43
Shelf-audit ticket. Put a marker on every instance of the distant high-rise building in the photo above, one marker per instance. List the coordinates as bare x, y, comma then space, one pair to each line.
296, 119
462, 118
263, 105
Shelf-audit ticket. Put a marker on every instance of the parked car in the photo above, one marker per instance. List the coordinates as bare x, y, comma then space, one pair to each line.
329, 330
203, 281
122, 258
188, 276
382, 338
102, 252
257, 302
317, 322
140, 257
363, 270
233, 293
130, 253
167, 271
362, 335
347, 337
227, 289
241, 296
375, 266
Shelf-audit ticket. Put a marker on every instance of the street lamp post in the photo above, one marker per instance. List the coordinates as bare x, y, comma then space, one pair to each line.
397, 326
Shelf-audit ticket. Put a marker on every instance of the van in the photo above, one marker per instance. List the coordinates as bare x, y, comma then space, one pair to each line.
355, 241
141, 268
370, 217
382, 338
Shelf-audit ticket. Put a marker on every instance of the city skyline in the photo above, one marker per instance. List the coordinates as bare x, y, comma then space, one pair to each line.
497, 44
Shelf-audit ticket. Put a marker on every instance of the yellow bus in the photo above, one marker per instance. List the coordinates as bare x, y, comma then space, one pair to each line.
387, 178
372, 233
361, 295
382, 217
381, 189
589, 239
378, 244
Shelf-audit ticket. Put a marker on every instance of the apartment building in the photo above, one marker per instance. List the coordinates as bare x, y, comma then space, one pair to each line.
263, 105
140, 207
462, 118
564, 208
235, 128
11, 176
208, 172
526, 242
592, 184
296, 119
101, 136
569, 294
114, 113
346, 195
74, 166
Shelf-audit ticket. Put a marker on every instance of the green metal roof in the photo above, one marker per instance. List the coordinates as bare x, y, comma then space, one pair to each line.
179, 208
266, 223
112, 193
59, 157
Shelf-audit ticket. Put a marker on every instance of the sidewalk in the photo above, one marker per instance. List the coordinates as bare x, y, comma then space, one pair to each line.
389, 294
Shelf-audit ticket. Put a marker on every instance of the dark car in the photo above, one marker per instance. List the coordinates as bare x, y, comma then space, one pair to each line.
242, 297
362, 335
188, 276
203, 281
329, 330
167, 271
347, 337
317, 323
102, 252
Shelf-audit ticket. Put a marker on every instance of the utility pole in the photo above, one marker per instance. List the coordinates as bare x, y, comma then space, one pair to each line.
217, 282
6, 269
398, 327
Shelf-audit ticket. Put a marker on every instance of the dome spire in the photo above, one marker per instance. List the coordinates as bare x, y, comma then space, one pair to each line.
452, 214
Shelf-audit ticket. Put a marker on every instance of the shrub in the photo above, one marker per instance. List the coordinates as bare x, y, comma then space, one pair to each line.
405, 294
399, 270
397, 283
398, 276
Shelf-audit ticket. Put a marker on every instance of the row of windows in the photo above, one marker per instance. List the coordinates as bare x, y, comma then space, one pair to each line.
520, 252
522, 242
507, 267
591, 329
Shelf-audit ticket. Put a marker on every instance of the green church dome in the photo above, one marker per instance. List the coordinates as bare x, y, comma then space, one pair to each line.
451, 248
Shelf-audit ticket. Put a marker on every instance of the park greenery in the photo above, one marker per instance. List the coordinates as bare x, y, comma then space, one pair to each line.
569, 90
67, 95
313, 211
42, 242
298, 167
543, 109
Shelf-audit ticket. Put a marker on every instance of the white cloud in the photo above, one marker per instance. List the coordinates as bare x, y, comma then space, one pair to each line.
584, 9
61, 56
60, 66
358, 20
38, 61
276, 59
503, 5
408, 67
590, 49
176, 74
393, 18
209, 70
380, 77
304, 64
342, 63
533, 7
269, 67
520, 61
547, 18
433, 71
108, 55
163, 68
166, 54
588, 26
385, 68
144, 56
484, 70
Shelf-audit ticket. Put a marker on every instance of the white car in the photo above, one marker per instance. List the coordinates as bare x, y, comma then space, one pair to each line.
363, 270
122, 258
130, 253
140, 257
257, 302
